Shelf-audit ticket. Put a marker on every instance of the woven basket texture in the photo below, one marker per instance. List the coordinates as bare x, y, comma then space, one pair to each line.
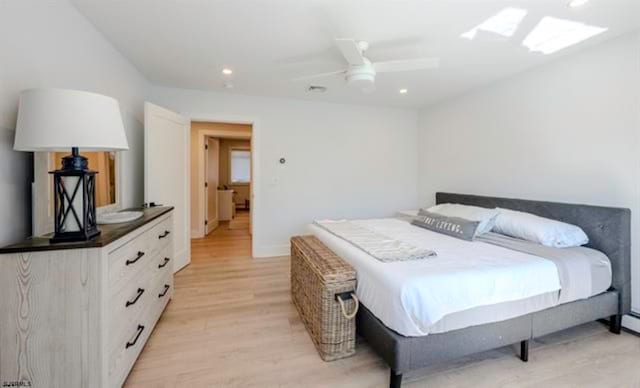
317, 275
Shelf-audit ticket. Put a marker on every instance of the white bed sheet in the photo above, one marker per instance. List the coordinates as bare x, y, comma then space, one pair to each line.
415, 298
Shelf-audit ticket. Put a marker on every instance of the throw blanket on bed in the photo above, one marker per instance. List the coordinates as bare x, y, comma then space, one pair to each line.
380, 247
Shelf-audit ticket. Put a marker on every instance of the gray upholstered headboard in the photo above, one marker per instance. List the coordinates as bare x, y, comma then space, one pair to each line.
608, 228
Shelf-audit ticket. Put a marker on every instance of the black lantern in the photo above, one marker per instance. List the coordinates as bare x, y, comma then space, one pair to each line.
74, 196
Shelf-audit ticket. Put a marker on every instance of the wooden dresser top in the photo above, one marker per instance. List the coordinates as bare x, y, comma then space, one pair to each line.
109, 234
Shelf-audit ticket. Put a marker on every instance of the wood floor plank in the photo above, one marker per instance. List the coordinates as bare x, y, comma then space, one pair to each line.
231, 323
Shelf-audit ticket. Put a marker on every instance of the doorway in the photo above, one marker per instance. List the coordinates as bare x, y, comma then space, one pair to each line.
221, 171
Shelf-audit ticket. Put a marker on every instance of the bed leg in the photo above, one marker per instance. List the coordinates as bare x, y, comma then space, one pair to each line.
395, 380
524, 351
615, 324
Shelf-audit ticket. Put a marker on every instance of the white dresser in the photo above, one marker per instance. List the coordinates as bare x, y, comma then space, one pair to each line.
78, 314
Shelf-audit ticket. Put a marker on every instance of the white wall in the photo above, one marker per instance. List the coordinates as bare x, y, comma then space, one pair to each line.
341, 160
49, 44
568, 131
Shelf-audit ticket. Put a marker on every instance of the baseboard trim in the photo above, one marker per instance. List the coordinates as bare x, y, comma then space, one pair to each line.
181, 257
267, 251
212, 225
631, 322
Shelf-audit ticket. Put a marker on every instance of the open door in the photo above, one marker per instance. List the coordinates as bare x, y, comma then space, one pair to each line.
212, 160
166, 172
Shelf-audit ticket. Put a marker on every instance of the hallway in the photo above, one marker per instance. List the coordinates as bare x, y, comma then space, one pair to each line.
229, 239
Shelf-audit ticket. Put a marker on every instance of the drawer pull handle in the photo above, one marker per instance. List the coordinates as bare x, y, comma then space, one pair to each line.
138, 256
130, 344
166, 289
132, 302
164, 264
165, 234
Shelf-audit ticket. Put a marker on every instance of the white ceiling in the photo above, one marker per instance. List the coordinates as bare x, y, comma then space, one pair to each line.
186, 43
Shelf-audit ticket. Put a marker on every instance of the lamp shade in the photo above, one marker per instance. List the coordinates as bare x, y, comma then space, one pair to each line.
58, 119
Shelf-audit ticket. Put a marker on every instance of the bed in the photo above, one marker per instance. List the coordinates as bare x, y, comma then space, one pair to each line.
395, 321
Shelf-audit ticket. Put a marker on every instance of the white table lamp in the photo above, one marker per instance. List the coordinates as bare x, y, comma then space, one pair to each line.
59, 119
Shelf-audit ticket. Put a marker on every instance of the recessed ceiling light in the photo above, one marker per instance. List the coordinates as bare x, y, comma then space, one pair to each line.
403, 91
552, 34
227, 71
504, 23
577, 3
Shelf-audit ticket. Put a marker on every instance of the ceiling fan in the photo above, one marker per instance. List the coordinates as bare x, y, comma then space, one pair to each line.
361, 72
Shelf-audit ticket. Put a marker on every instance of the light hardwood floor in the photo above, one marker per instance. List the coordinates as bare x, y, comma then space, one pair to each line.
231, 324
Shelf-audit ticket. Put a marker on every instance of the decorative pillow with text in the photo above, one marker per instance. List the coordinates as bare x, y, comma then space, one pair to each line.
451, 226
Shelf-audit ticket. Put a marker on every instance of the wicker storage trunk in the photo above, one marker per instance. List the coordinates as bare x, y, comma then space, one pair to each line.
317, 276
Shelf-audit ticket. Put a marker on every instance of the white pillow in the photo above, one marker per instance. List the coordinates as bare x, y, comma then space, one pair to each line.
485, 216
541, 230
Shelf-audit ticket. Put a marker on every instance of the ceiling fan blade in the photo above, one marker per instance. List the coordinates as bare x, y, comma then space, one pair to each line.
406, 65
319, 75
351, 51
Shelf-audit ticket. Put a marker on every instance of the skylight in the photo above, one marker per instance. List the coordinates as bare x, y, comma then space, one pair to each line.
552, 34
504, 23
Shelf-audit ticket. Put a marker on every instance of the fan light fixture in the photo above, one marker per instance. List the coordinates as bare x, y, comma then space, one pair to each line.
227, 71
360, 72
403, 91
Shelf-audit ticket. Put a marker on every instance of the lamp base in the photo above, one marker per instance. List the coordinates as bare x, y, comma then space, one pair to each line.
74, 191
74, 236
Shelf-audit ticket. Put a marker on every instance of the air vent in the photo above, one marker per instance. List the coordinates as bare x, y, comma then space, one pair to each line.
316, 89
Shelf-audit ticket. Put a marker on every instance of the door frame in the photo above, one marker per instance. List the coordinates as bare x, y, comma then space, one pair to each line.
254, 194
210, 224
201, 137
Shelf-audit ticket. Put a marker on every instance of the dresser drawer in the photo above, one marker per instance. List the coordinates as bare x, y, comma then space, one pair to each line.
161, 235
163, 293
162, 264
127, 302
126, 348
127, 260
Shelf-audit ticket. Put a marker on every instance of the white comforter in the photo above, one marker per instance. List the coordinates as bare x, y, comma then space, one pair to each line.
411, 296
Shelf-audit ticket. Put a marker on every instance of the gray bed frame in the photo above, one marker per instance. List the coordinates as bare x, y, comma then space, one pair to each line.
609, 231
